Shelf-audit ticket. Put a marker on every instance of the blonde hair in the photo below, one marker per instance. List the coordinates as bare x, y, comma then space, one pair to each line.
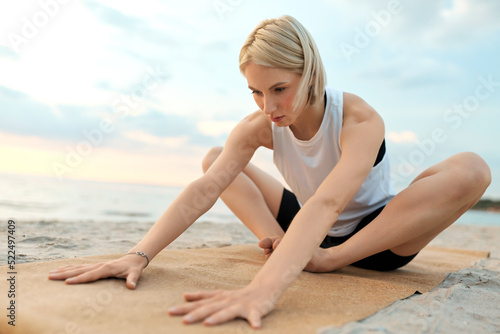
284, 43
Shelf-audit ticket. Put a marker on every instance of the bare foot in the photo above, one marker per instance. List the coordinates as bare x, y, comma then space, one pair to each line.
320, 262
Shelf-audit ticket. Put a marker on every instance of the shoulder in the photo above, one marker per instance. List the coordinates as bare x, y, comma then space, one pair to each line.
357, 110
255, 129
256, 119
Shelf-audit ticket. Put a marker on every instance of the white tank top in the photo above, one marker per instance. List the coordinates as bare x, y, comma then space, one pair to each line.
305, 164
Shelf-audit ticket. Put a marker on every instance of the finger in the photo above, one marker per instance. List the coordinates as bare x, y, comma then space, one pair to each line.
276, 243
232, 312
265, 243
205, 311
92, 275
196, 300
132, 279
185, 308
70, 266
223, 315
198, 295
70, 271
74, 266
254, 319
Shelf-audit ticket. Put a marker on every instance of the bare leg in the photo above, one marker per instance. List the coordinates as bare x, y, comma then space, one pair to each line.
432, 202
254, 197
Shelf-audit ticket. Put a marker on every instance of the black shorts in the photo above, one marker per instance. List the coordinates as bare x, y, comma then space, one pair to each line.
382, 261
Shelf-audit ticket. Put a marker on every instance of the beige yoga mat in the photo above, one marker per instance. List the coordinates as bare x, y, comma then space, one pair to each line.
313, 301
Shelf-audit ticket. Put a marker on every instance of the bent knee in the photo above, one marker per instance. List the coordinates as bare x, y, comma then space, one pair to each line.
473, 172
210, 157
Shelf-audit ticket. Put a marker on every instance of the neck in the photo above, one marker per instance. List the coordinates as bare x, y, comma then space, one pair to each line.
309, 120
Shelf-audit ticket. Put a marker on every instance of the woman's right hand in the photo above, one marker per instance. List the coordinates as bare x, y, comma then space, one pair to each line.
269, 244
129, 267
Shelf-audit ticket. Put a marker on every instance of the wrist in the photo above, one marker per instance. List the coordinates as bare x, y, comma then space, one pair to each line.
141, 254
272, 285
264, 295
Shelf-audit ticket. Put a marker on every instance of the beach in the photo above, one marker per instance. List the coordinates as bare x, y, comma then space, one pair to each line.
51, 240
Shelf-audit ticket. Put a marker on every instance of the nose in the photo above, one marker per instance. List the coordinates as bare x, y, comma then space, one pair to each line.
269, 105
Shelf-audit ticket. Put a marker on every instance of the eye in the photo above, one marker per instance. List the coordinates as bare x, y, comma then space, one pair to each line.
280, 90
255, 92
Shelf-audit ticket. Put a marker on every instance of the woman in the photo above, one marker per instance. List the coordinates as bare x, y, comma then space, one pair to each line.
330, 148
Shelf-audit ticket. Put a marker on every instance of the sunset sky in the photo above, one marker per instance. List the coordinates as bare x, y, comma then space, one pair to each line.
129, 91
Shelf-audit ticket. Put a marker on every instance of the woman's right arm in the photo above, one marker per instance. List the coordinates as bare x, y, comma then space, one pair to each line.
196, 199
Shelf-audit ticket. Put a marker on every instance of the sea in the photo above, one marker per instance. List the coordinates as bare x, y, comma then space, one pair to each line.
38, 198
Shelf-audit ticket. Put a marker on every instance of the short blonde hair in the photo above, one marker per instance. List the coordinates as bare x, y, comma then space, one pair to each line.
284, 43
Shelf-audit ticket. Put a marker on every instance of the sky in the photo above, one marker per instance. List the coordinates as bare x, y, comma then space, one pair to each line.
126, 91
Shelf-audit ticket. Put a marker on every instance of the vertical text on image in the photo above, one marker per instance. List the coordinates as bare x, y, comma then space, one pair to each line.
11, 272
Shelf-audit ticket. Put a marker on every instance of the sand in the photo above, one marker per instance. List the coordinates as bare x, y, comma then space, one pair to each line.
466, 302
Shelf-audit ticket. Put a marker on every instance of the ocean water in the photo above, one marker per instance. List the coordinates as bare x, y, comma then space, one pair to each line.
36, 198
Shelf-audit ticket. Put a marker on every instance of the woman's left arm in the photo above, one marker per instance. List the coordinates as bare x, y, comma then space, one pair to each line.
360, 140
361, 137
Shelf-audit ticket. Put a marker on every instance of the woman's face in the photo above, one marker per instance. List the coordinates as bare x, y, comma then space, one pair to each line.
274, 91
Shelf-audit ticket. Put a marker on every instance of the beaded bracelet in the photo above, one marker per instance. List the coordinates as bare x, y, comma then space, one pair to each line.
141, 254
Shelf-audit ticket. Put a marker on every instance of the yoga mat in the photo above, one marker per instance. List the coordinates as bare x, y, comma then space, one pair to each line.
312, 301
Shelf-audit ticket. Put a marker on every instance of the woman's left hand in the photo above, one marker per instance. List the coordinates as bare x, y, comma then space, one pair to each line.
217, 307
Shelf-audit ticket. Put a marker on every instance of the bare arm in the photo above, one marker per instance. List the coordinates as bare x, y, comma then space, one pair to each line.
361, 137
362, 134
196, 199
199, 196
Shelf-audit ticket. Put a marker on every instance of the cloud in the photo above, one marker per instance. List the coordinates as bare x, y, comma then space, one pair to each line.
159, 124
7, 53
448, 23
170, 142
215, 128
402, 137
25, 116
436, 25
170, 130
134, 27
409, 72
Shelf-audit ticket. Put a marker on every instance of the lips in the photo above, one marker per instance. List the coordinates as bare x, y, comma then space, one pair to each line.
277, 119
